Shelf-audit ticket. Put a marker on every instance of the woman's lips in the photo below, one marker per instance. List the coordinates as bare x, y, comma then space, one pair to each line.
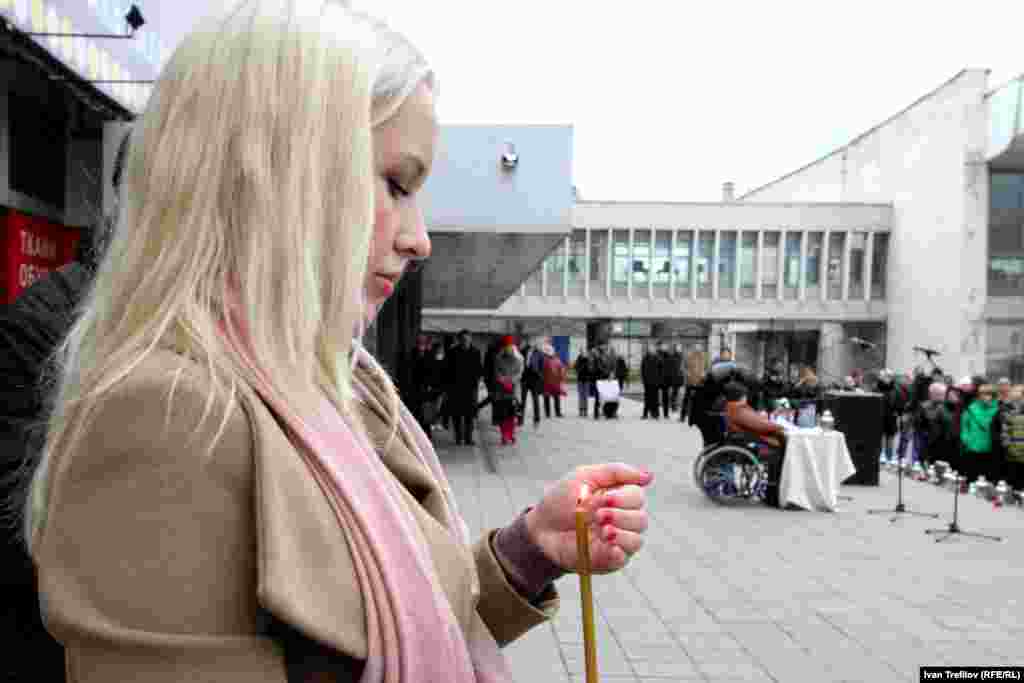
386, 284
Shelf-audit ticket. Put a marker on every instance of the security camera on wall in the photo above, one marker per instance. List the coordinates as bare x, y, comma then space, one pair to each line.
509, 158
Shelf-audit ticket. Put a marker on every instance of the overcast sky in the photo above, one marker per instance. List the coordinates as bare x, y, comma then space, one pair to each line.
670, 99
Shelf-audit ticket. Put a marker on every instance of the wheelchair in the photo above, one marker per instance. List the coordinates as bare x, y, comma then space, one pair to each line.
734, 471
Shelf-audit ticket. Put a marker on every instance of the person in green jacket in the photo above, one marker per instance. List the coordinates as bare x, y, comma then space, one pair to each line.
976, 434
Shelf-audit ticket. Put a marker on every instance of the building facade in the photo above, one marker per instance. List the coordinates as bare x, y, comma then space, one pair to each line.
792, 281
951, 165
911, 236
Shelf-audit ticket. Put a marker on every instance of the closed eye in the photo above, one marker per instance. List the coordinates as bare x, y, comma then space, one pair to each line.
396, 190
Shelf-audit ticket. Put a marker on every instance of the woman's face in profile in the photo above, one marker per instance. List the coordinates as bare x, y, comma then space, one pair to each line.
403, 154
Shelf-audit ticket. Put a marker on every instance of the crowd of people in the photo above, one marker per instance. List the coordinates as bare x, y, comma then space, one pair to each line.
441, 384
974, 425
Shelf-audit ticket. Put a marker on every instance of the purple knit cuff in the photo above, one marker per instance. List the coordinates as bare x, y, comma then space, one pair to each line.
528, 570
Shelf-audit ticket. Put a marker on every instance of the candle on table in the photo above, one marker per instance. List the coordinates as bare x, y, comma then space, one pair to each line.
586, 590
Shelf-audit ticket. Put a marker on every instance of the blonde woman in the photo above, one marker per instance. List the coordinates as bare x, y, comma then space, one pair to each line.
231, 489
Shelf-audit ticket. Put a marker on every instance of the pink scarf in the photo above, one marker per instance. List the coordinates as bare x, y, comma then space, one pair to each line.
412, 633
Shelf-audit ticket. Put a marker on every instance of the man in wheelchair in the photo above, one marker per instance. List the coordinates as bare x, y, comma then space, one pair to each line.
746, 426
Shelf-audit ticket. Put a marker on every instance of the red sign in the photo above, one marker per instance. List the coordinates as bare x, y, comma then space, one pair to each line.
32, 247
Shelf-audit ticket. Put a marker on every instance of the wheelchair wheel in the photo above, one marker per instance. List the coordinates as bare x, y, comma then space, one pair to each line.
731, 475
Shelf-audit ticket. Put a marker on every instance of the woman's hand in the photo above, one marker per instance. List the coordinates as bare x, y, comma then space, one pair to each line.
615, 513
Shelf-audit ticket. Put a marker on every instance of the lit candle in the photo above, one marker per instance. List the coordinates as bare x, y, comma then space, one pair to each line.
586, 590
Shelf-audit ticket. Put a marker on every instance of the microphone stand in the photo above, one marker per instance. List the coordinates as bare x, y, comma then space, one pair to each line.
900, 508
954, 528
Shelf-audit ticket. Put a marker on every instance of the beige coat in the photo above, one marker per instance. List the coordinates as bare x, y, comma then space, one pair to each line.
156, 561
696, 368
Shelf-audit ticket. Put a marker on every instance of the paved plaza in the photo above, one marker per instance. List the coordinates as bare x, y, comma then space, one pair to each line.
755, 594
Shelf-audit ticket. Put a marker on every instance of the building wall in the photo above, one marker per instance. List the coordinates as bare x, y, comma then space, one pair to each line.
929, 162
468, 188
492, 225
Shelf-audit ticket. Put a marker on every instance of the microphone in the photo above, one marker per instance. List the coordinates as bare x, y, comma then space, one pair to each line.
926, 351
863, 343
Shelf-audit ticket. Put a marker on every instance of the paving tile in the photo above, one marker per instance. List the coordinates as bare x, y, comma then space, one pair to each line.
754, 594
662, 652
679, 669
733, 666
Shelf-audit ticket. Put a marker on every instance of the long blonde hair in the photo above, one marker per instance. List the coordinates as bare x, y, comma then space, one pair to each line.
249, 183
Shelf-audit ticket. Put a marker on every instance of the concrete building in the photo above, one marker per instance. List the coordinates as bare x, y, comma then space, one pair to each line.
952, 165
909, 236
633, 272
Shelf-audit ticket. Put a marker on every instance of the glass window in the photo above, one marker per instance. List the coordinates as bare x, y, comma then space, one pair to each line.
598, 259
620, 261
620, 252
792, 265
1004, 352
879, 265
770, 266
727, 264
858, 245
554, 264
555, 261
1006, 234
836, 244
662, 256
705, 256
578, 256
814, 241
681, 260
1006, 275
641, 265
748, 256
1006, 190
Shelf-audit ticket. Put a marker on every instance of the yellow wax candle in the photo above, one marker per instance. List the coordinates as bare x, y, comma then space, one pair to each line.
586, 590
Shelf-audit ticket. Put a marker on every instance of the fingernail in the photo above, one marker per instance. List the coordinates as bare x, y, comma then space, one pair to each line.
609, 532
612, 502
606, 517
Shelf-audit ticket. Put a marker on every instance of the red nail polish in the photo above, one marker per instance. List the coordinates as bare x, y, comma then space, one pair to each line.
612, 502
610, 533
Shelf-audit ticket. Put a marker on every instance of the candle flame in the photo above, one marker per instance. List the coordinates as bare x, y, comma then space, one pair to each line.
584, 492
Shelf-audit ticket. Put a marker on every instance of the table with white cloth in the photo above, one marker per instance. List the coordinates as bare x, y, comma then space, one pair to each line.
816, 463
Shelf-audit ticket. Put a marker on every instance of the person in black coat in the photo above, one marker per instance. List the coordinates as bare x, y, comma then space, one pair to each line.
465, 369
773, 386
532, 382
709, 401
667, 378
583, 381
893, 404
621, 372
31, 329
652, 376
415, 367
676, 375
602, 366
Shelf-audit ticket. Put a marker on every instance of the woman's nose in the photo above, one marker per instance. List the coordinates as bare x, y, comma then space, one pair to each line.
412, 240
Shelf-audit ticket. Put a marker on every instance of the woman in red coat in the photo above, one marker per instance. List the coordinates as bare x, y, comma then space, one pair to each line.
554, 380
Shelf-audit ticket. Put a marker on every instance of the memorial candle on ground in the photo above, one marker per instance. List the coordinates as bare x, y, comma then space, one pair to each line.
586, 590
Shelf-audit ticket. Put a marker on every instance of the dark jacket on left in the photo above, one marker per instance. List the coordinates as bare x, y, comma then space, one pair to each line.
31, 328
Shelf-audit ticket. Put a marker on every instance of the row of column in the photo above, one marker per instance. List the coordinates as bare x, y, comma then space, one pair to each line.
823, 262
